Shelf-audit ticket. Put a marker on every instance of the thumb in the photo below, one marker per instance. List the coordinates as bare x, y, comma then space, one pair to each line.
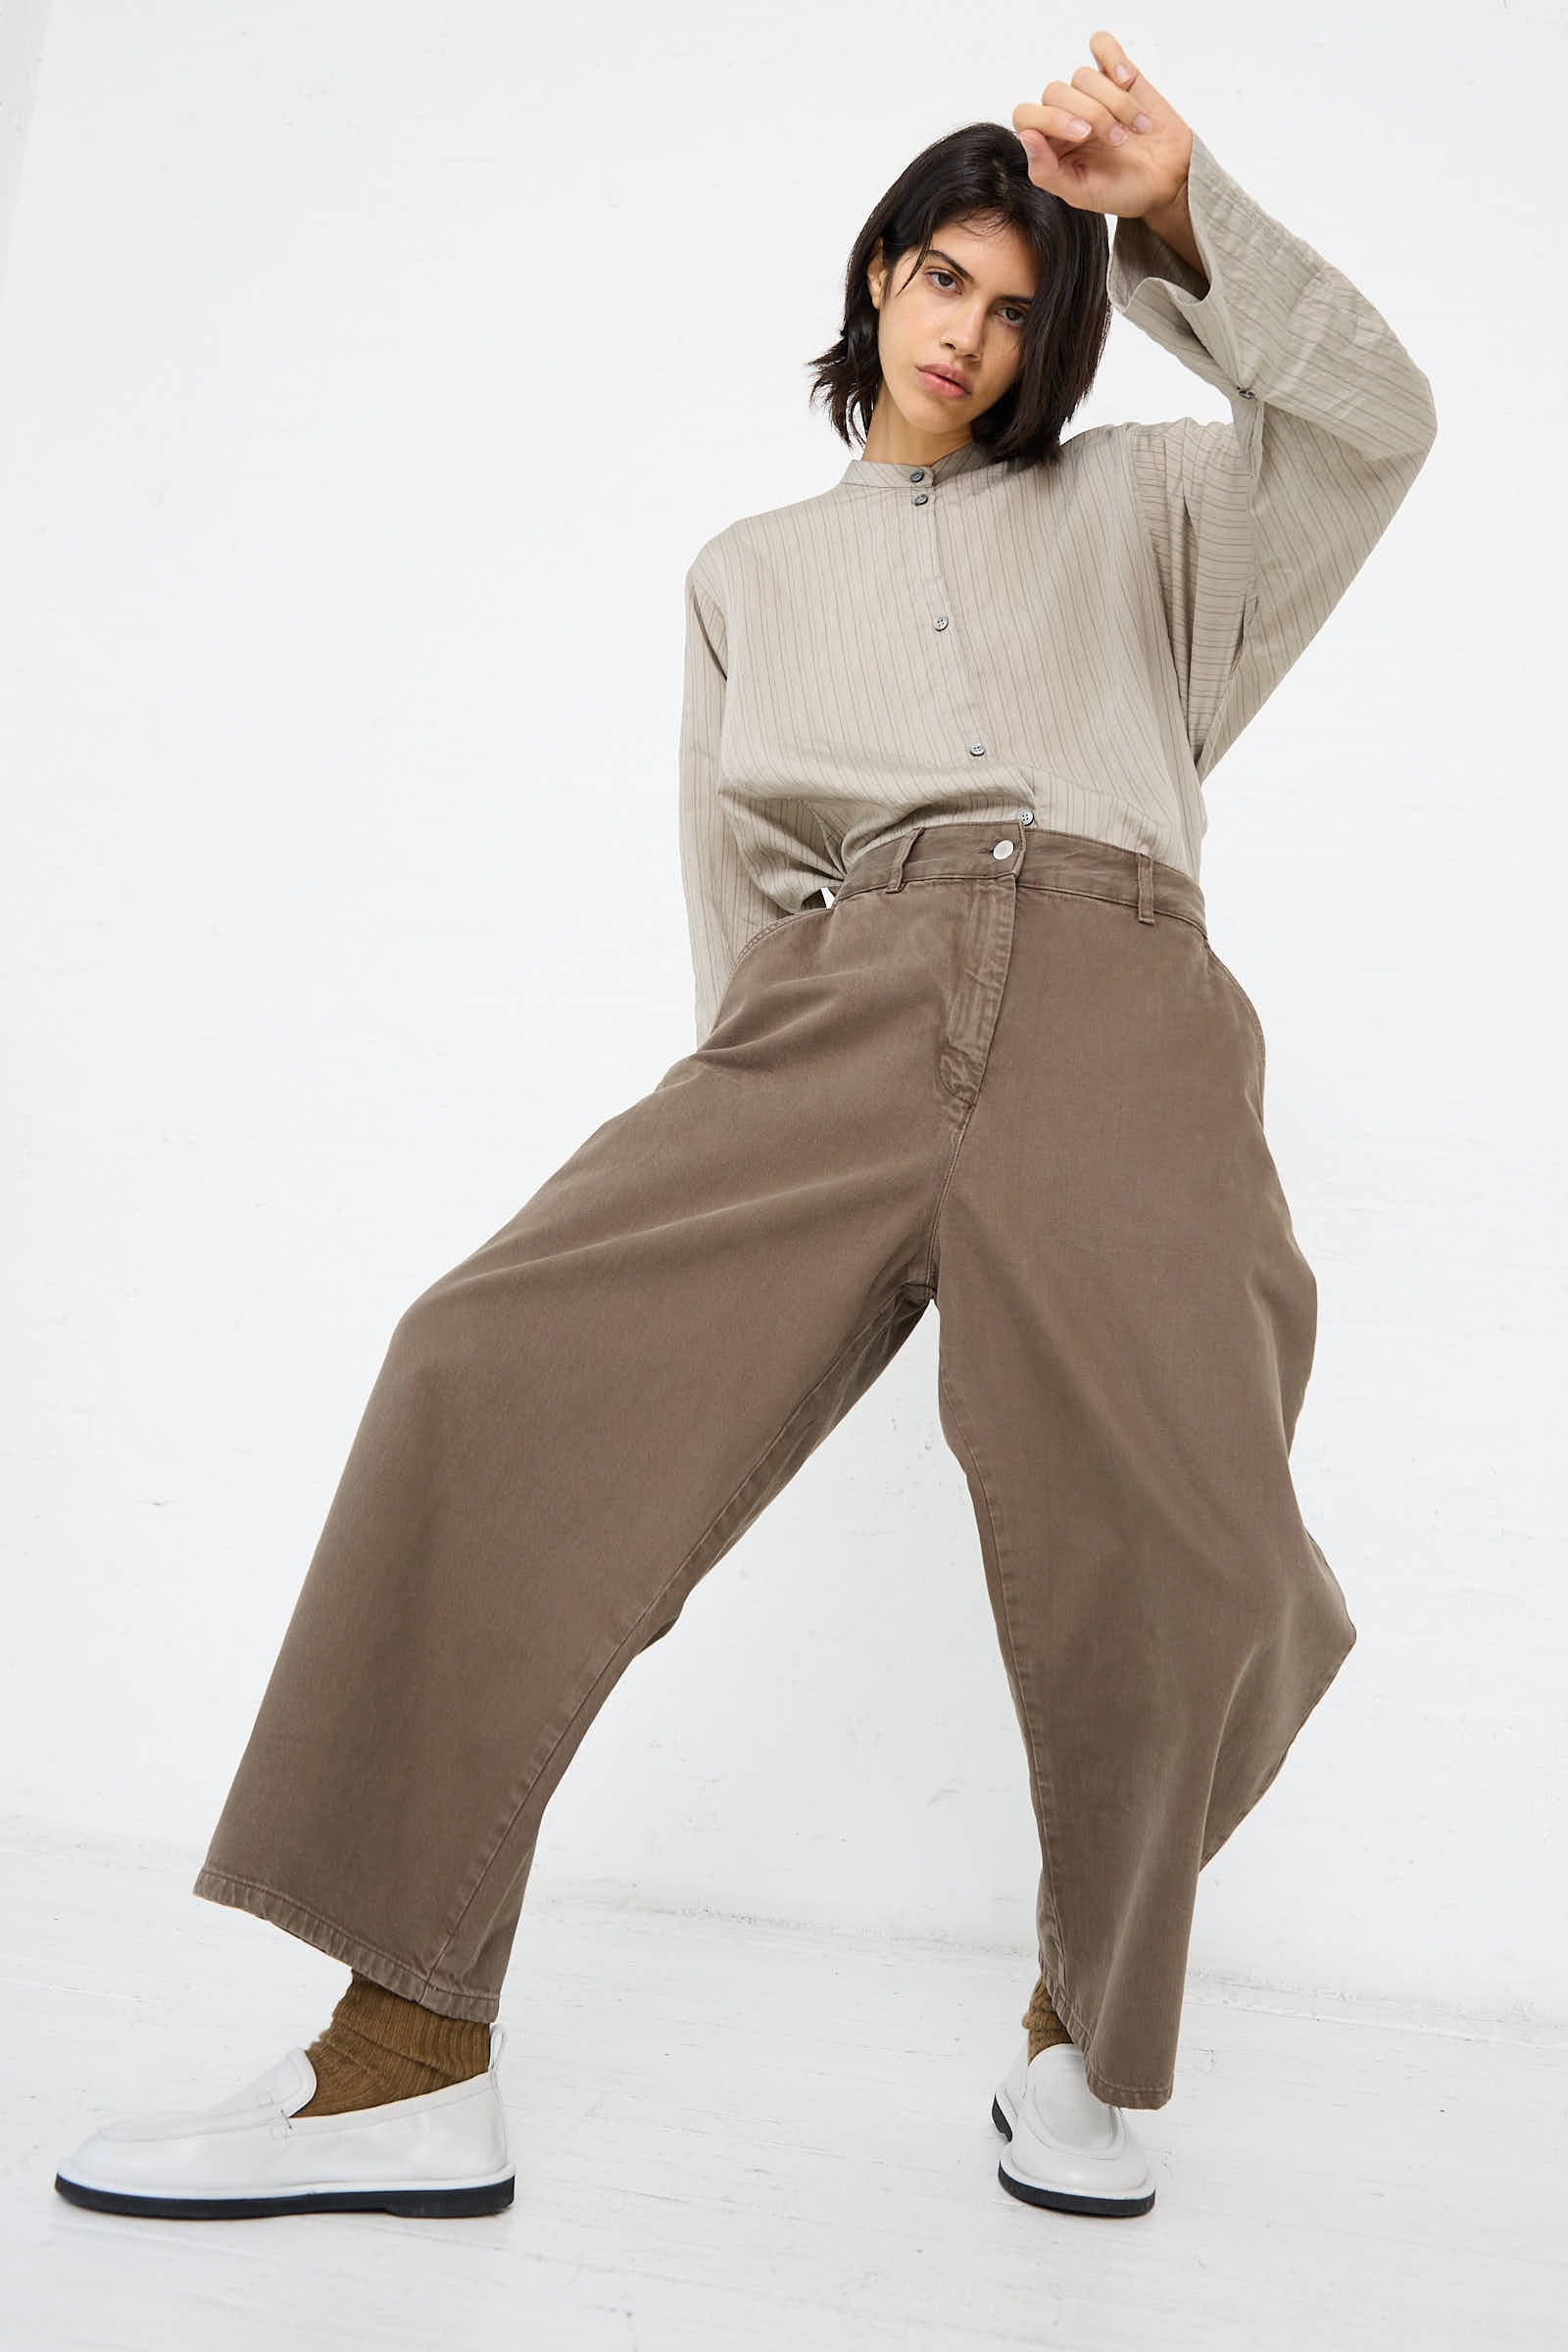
1040, 152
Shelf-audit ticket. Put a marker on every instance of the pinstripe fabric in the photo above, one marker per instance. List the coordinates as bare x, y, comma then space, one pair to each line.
1083, 639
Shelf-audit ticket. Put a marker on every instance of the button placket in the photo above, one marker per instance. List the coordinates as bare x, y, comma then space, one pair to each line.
960, 687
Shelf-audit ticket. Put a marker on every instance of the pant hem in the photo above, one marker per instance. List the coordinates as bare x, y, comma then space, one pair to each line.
329, 1936
1124, 2094
1105, 2086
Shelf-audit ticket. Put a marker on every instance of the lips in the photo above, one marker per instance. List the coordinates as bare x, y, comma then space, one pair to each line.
951, 375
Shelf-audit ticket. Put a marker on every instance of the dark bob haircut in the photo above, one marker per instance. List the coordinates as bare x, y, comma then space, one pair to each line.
980, 176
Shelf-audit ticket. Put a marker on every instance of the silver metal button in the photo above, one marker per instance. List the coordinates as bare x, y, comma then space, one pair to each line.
918, 476
978, 751
1245, 395
919, 498
1026, 816
941, 621
1002, 849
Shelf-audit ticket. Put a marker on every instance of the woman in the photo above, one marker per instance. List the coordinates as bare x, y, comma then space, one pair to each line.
971, 691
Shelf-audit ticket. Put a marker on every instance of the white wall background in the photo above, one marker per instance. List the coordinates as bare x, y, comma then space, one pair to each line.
368, 378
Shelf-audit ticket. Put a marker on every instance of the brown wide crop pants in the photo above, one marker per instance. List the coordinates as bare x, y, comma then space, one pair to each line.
1003, 1070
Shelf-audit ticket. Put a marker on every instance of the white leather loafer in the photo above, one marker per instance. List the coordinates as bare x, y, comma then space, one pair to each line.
1065, 2147
442, 2152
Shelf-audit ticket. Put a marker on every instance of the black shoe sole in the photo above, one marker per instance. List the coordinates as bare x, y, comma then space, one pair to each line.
494, 2196
1063, 2200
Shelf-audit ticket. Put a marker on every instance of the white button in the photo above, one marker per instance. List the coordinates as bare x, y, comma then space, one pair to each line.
1002, 849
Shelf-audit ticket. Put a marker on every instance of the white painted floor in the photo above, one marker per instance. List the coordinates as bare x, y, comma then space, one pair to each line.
729, 2137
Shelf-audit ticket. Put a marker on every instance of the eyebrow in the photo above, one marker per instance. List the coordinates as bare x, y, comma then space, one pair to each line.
960, 270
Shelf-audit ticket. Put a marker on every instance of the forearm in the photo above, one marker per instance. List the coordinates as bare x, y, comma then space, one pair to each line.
1173, 224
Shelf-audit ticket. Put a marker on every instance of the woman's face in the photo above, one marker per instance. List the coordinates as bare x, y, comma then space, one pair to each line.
962, 312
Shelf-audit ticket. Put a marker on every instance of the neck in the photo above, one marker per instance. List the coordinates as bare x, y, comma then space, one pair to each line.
892, 440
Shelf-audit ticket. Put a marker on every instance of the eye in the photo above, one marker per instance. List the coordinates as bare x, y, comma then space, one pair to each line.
1018, 316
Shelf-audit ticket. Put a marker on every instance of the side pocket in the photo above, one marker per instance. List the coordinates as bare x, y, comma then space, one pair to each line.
1246, 1005
768, 931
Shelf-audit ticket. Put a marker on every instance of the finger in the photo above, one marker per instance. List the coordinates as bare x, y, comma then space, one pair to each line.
1114, 61
1082, 105
1119, 105
1062, 122
1048, 166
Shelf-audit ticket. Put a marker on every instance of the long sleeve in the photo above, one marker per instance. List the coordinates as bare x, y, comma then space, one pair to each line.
724, 905
1258, 525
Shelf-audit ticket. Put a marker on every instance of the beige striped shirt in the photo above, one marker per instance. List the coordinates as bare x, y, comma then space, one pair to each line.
1083, 639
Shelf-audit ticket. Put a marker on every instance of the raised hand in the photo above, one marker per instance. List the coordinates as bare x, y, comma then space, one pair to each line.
1106, 141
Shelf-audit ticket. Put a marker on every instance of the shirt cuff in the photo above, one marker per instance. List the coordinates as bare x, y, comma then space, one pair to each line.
1234, 332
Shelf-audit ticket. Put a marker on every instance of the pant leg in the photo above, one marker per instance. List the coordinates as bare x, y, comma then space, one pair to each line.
1127, 1326
570, 1428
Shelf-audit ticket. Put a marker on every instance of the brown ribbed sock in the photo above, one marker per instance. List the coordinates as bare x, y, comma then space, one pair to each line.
1045, 2025
380, 2046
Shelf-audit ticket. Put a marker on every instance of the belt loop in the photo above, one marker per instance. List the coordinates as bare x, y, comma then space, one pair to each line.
895, 880
1146, 886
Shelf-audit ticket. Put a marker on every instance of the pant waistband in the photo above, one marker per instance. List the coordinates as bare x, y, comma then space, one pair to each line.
986, 850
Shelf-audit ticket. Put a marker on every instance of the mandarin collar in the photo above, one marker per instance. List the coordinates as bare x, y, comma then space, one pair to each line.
875, 472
